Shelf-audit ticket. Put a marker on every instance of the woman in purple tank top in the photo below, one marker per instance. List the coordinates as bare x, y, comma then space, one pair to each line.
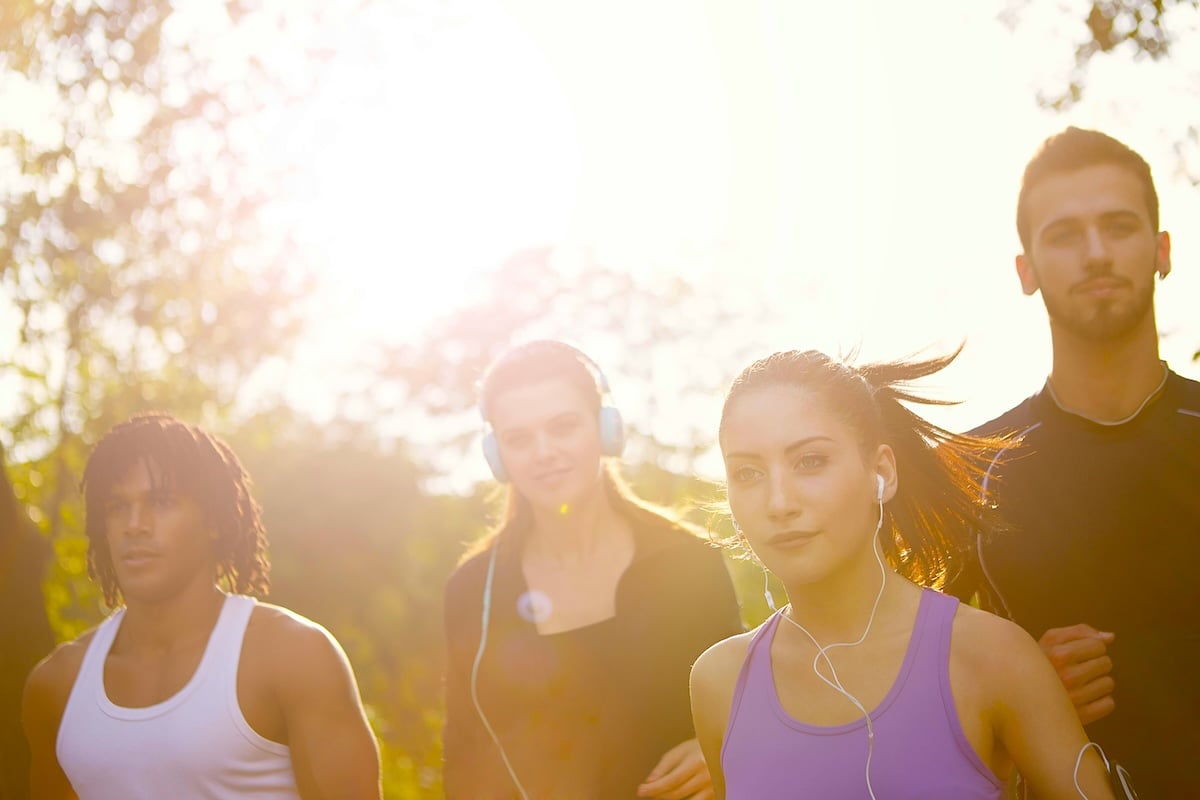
869, 683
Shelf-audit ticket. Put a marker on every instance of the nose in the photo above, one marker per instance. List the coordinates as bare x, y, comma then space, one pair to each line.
137, 518
1096, 248
782, 503
543, 446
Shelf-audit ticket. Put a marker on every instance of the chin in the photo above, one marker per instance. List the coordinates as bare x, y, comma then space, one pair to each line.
566, 498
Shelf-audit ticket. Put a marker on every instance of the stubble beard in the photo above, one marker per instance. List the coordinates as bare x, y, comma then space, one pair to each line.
1105, 322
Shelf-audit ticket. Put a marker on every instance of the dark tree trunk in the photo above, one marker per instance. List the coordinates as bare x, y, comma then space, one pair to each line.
25, 634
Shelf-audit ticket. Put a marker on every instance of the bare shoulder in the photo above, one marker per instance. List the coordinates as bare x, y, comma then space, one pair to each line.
718, 666
56, 672
993, 648
284, 638
49, 683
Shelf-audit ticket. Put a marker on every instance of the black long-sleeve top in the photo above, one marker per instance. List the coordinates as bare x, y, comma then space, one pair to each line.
1104, 529
586, 713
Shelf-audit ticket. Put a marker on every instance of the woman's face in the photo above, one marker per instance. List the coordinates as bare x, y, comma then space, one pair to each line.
549, 438
799, 486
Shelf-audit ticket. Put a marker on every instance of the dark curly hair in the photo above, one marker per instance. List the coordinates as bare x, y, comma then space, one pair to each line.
192, 462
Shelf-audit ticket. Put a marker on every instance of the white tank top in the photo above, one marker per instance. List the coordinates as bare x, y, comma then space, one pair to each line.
195, 744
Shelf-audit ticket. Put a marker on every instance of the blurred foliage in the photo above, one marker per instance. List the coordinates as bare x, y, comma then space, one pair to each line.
142, 265
134, 248
660, 341
1135, 29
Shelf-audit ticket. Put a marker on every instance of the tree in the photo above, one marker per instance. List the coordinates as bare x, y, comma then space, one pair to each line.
136, 248
641, 330
1133, 28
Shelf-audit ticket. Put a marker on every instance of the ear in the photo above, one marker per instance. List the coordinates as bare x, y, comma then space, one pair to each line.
1026, 274
885, 467
1162, 255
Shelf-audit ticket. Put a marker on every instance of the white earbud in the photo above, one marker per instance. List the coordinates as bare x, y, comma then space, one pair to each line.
879, 481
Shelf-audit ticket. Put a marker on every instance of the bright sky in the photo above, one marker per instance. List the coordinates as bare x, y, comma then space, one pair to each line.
853, 162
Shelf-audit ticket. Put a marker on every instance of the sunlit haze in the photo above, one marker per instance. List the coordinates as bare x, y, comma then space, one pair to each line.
857, 164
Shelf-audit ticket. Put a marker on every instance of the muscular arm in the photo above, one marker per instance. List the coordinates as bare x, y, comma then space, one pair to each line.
334, 753
46, 691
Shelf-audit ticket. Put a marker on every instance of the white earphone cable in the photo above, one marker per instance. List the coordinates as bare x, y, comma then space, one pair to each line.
822, 650
483, 632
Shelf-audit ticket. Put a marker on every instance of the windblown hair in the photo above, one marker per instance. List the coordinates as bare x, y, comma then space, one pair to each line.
191, 462
932, 522
533, 363
1075, 149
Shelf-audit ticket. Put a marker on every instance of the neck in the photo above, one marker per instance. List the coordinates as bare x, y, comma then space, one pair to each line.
1106, 382
573, 533
838, 608
164, 622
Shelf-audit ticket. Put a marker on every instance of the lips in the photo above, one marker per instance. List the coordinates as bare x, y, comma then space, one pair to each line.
552, 475
789, 539
1100, 286
138, 556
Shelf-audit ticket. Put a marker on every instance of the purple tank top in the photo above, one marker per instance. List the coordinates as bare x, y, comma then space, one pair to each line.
920, 752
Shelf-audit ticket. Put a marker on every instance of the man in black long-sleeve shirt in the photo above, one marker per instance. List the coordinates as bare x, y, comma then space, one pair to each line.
1102, 496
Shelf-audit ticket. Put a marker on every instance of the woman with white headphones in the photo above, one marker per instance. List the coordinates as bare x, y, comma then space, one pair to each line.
571, 629
870, 684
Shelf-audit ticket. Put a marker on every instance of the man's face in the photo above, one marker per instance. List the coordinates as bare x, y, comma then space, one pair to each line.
159, 540
1093, 252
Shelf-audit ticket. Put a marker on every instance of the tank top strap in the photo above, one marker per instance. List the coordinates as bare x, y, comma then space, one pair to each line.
924, 680
91, 668
935, 621
225, 641
756, 668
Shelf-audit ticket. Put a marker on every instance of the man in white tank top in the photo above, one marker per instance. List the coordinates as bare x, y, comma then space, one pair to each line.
187, 691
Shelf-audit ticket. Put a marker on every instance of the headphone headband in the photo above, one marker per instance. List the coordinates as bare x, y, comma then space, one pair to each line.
534, 347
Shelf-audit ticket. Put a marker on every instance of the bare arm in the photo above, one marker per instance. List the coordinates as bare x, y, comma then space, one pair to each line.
334, 753
46, 691
1034, 719
713, 679
680, 774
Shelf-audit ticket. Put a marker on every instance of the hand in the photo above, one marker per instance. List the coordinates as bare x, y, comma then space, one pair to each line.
679, 775
1079, 655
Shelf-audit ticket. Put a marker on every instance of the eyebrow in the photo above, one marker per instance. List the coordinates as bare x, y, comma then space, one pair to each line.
1107, 216
796, 445
556, 418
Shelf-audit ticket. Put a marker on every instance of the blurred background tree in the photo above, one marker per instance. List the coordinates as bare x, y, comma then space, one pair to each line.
1131, 29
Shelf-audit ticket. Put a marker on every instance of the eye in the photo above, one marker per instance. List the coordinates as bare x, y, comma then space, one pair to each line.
1120, 227
811, 461
564, 427
162, 499
743, 474
516, 441
1063, 235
